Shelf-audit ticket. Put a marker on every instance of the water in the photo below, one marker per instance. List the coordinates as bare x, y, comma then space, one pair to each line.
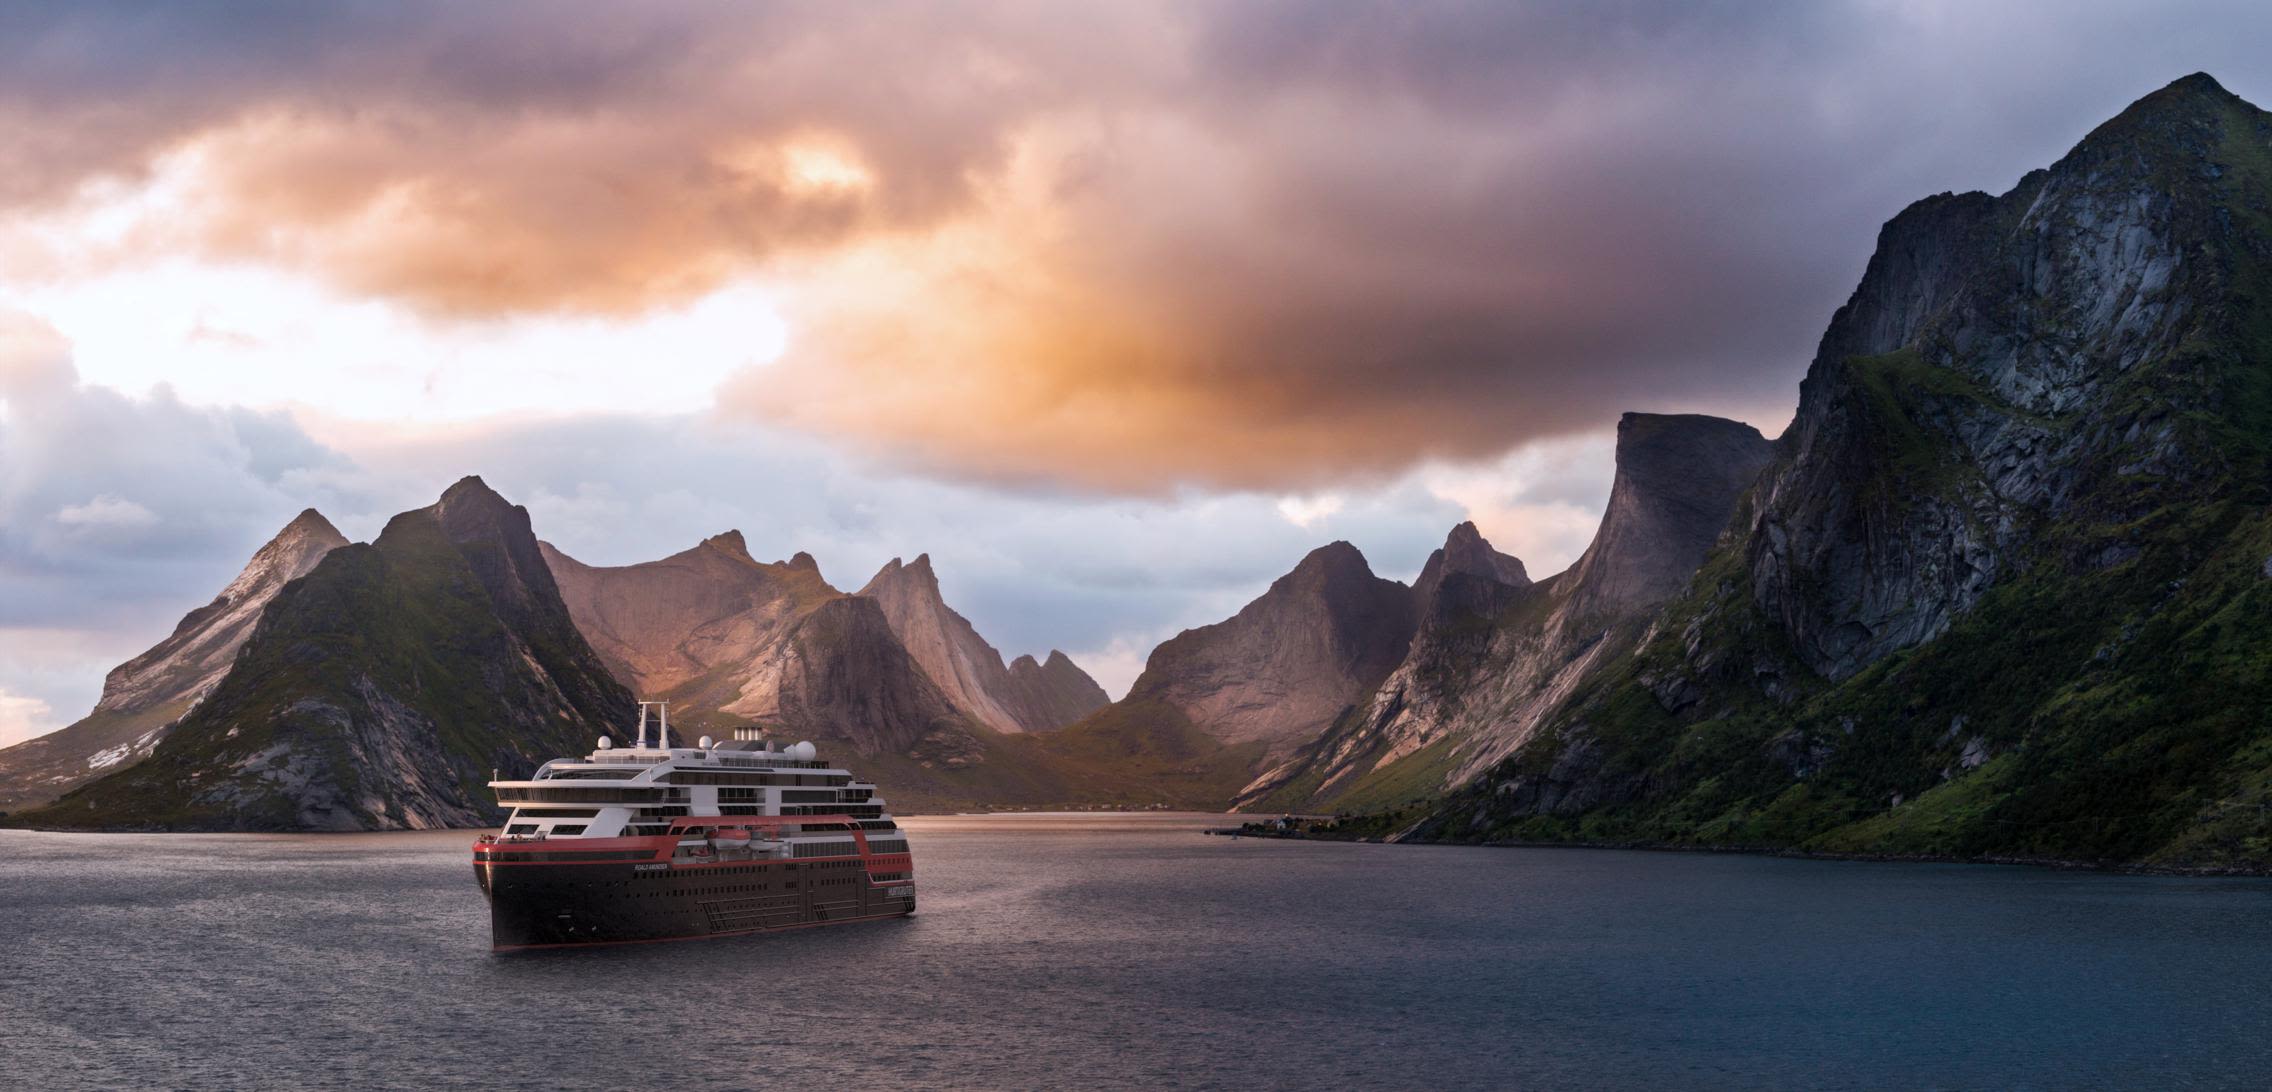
1131, 952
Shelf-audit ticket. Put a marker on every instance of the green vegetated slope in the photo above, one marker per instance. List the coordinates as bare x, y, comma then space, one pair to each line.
2094, 522
379, 691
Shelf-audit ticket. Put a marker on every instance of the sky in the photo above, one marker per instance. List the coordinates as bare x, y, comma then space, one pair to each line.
1114, 310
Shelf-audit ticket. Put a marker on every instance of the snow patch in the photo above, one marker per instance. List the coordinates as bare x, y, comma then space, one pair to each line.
109, 756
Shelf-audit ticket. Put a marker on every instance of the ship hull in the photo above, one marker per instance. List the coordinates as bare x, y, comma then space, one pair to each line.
553, 905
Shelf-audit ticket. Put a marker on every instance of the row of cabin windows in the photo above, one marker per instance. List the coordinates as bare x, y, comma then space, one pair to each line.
855, 811
785, 828
595, 795
887, 877
778, 763
563, 828
736, 777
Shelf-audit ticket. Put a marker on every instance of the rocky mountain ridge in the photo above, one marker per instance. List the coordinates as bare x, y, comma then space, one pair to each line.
1495, 653
2002, 591
143, 697
1028, 698
1291, 662
380, 690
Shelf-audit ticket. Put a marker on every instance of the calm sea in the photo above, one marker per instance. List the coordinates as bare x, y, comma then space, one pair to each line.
1080, 952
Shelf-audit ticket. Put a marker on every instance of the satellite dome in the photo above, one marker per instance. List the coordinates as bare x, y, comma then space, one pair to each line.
606, 743
703, 743
803, 751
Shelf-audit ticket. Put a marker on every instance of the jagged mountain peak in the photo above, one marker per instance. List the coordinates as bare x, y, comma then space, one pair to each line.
471, 489
1968, 612
1678, 476
310, 523
2193, 95
143, 697
731, 544
803, 560
376, 690
1338, 554
470, 510
1334, 565
915, 577
293, 550
1466, 552
1280, 670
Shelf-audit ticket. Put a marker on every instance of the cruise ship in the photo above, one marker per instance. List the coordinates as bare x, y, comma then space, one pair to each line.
664, 842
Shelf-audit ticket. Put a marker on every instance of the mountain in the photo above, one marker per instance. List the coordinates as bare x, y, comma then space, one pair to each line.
892, 674
1288, 664
1471, 566
690, 627
729, 640
1027, 698
1054, 692
379, 691
2006, 588
144, 696
1494, 653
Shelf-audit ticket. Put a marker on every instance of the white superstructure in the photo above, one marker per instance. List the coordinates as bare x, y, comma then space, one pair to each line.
648, 790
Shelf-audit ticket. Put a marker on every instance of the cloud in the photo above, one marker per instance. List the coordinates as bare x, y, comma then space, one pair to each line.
22, 718
1305, 511
107, 513
1253, 246
118, 511
185, 494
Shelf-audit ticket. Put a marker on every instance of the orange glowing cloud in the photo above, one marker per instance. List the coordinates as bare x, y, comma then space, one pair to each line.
1127, 248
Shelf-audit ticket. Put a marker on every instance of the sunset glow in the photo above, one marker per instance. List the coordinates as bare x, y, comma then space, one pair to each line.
1238, 274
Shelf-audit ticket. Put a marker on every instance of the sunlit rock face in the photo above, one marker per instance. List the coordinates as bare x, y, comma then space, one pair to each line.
1290, 663
1494, 652
381, 690
672, 622
1025, 696
2008, 365
143, 697
2000, 591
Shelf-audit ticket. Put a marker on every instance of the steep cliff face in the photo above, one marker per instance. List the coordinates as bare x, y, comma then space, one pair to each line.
1471, 567
1054, 692
1678, 477
967, 669
1496, 653
732, 641
674, 625
2009, 365
2002, 590
379, 691
728, 638
145, 695
842, 674
1290, 663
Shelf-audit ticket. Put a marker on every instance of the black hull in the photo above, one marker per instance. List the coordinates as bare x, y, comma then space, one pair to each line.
563, 905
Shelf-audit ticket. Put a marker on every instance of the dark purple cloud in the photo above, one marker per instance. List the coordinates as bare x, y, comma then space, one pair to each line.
1130, 247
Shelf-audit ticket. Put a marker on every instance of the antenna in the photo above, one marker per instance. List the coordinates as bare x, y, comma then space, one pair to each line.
642, 725
666, 712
